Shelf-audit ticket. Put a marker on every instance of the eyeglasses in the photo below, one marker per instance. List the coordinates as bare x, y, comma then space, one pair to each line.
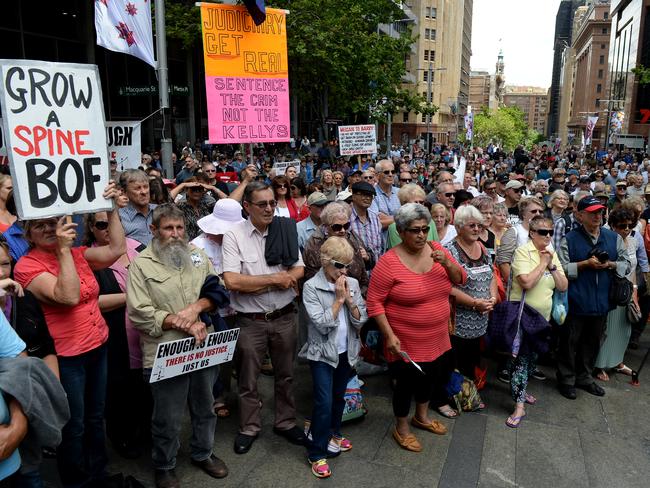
406, 180
389, 172
209, 170
340, 227
339, 265
626, 226
418, 230
545, 232
368, 177
263, 205
101, 224
621, 187
277, 187
414, 171
451, 194
490, 188
294, 187
536, 211
516, 190
419, 202
474, 225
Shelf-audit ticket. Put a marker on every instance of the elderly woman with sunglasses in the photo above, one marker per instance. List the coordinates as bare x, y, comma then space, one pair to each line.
536, 269
285, 206
619, 328
476, 297
335, 313
335, 221
409, 299
529, 207
409, 194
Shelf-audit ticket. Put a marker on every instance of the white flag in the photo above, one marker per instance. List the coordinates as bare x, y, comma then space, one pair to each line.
459, 174
591, 123
124, 26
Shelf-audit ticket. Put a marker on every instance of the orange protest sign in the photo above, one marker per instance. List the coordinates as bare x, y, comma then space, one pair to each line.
234, 46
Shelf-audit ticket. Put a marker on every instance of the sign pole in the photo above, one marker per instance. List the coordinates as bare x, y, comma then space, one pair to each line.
163, 87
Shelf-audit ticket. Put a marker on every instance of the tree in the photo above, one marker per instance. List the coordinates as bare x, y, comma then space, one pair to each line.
340, 64
505, 127
643, 74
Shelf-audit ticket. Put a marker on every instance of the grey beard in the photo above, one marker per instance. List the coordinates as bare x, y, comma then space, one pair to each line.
175, 254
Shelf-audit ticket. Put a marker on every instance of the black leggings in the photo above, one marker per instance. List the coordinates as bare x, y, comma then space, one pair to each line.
410, 383
467, 354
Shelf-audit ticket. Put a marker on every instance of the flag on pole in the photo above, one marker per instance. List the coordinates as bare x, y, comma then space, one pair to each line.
124, 26
591, 123
459, 174
582, 144
469, 126
257, 10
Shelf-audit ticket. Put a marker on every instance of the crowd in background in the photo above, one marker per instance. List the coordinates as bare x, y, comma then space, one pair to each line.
312, 259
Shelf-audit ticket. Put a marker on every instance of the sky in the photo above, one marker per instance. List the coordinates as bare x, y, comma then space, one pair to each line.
524, 29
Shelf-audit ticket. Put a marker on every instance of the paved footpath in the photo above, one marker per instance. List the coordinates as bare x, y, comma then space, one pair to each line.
589, 442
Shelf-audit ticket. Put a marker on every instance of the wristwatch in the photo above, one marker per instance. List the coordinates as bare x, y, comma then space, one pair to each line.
554, 268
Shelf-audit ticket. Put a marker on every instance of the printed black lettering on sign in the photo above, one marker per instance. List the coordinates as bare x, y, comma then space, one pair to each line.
119, 136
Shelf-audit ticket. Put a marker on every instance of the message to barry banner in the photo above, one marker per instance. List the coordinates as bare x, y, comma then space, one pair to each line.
246, 75
53, 118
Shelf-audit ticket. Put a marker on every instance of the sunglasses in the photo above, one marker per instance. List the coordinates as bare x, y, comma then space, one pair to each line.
209, 170
363, 194
101, 225
406, 180
263, 205
338, 265
414, 171
491, 188
368, 177
279, 186
545, 232
621, 187
340, 227
626, 226
516, 190
418, 230
536, 212
450, 194
197, 189
389, 172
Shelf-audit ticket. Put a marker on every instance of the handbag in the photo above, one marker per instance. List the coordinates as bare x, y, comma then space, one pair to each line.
505, 322
560, 306
620, 290
633, 312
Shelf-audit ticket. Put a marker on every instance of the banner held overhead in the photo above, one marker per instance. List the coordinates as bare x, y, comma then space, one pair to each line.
124, 144
357, 139
54, 129
246, 75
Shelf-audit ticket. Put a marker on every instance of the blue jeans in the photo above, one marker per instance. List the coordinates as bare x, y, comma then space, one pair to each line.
329, 389
81, 456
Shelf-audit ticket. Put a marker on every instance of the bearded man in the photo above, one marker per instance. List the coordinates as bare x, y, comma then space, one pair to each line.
164, 303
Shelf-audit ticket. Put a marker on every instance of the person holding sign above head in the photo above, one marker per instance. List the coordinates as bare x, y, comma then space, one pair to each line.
262, 275
164, 300
61, 278
136, 216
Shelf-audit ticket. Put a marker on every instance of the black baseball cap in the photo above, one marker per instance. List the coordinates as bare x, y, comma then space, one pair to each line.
503, 178
356, 172
363, 186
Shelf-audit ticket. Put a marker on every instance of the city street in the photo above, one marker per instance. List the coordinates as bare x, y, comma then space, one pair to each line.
590, 442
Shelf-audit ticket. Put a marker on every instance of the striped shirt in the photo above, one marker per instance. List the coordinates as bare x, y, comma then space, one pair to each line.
136, 225
369, 231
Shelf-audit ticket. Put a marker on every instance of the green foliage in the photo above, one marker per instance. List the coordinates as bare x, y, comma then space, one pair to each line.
182, 21
506, 127
338, 62
643, 74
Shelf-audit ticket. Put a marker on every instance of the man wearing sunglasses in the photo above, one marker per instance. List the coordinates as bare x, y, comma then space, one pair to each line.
262, 294
619, 196
364, 221
513, 191
386, 202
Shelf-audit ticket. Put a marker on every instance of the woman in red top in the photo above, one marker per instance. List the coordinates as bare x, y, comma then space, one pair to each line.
286, 207
61, 277
7, 219
409, 298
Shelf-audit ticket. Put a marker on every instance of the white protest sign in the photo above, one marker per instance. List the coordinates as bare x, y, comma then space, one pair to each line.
123, 139
174, 358
53, 116
3, 146
281, 168
357, 139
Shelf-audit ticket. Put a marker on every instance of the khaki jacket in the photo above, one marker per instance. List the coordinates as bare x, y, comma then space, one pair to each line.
155, 290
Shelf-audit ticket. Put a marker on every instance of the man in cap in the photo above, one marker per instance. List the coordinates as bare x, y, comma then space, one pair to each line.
354, 177
589, 255
619, 196
572, 185
584, 184
502, 180
316, 202
513, 191
364, 221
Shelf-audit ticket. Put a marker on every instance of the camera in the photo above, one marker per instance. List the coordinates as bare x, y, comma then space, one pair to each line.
601, 255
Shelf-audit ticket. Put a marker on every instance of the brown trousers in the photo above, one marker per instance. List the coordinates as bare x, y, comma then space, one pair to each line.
255, 338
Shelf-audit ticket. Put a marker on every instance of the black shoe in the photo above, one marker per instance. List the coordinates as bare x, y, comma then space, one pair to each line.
634, 343
294, 435
213, 466
538, 375
128, 450
244, 442
166, 478
592, 388
567, 391
504, 376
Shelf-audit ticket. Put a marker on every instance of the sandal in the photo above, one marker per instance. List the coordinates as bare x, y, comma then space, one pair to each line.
448, 412
409, 442
435, 426
623, 370
513, 422
602, 375
530, 399
222, 411
320, 468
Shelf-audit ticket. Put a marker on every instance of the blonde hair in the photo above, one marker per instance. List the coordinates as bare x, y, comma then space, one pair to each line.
407, 192
337, 249
440, 206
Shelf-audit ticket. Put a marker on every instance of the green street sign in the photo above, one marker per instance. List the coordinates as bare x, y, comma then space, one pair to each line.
150, 90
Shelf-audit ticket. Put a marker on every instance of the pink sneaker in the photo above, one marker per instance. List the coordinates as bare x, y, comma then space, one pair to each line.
339, 444
320, 468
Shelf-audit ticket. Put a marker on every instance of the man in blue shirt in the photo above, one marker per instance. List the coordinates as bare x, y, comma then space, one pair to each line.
386, 203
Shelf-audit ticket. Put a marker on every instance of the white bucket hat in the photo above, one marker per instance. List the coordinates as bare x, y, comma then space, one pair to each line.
226, 213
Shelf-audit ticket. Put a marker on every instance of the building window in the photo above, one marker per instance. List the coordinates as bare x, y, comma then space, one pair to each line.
432, 56
604, 30
432, 35
603, 46
430, 12
427, 33
597, 102
600, 74
405, 117
606, 15
426, 55
599, 88
425, 76
424, 117
601, 59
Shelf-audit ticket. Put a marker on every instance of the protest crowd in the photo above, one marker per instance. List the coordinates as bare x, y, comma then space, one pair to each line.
429, 265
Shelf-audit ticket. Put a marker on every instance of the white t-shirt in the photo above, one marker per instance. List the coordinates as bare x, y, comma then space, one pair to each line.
282, 211
342, 332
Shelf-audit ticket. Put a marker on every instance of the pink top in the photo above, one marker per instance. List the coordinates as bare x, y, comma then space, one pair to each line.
77, 329
416, 305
